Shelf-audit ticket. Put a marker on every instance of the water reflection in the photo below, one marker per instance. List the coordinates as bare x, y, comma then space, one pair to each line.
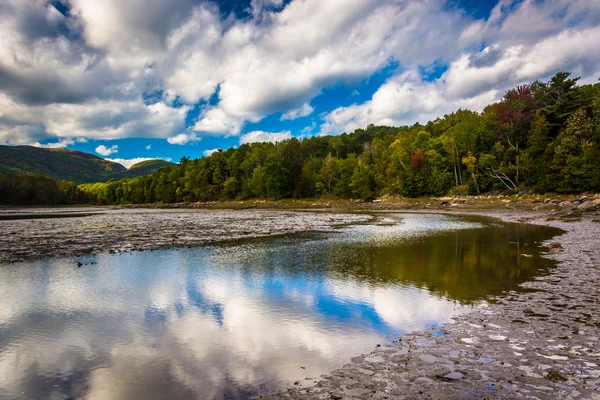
228, 321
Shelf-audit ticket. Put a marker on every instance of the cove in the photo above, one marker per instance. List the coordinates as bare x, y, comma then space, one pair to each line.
238, 319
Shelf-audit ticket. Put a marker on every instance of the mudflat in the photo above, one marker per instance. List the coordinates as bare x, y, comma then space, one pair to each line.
39, 233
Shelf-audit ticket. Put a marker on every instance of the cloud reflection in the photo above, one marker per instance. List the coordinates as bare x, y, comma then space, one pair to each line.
201, 323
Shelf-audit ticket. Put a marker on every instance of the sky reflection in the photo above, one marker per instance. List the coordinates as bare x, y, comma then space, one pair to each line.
239, 318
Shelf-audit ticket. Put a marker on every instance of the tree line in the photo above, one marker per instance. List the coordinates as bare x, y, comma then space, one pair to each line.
32, 189
544, 136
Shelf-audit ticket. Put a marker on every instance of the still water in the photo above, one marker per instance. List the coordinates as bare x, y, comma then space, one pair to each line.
234, 320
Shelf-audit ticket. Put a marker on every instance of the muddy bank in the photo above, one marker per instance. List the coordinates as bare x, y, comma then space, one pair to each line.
514, 203
24, 236
540, 344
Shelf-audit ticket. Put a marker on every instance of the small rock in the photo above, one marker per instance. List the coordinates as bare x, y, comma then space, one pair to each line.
452, 376
428, 358
586, 205
555, 375
555, 247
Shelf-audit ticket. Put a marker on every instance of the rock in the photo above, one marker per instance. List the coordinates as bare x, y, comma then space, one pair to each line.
586, 205
555, 247
565, 204
555, 375
428, 358
445, 200
452, 376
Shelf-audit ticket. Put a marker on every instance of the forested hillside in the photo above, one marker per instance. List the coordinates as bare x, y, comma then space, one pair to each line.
544, 135
61, 164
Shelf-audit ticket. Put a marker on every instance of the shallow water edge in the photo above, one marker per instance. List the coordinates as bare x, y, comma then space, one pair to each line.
541, 343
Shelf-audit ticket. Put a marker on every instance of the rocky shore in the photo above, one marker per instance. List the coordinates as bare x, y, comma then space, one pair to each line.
27, 234
542, 343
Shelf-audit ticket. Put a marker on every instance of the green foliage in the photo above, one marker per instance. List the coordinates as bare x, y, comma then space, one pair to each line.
29, 189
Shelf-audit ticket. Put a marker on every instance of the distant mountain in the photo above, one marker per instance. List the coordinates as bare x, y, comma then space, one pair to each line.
144, 168
69, 165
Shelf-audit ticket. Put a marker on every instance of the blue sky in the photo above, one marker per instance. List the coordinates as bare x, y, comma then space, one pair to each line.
172, 78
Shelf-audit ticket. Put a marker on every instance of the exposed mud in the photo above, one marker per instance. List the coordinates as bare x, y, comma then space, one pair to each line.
120, 230
540, 344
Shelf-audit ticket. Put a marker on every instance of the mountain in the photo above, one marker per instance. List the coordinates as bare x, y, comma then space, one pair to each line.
62, 164
144, 168
69, 165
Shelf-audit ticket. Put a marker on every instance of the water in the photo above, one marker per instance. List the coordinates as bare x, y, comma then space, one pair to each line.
242, 318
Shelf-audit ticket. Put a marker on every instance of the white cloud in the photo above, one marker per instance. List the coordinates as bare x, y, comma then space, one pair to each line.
85, 74
208, 152
148, 147
303, 111
128, 163
471, 81
183, 138
55, 145
261, 136
216, 121
107, 151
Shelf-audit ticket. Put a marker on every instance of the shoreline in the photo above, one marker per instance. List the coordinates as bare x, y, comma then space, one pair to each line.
540, 343
535, 344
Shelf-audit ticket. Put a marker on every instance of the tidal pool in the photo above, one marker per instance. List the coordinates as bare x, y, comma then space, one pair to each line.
247, 317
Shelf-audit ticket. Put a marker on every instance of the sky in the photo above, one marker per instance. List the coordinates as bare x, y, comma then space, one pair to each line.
143, 79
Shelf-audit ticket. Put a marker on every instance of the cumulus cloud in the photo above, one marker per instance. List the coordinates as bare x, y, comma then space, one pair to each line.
148, 147
261, 136
260, 69
303, 111
472, 80
216, 121
87, 72
183, 138
55, 145
107, 151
